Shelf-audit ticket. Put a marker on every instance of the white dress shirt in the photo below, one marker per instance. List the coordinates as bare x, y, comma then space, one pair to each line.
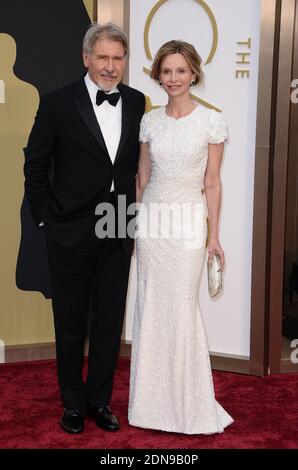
109, 119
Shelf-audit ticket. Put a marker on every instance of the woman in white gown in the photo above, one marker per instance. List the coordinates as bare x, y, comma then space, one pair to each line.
171, 386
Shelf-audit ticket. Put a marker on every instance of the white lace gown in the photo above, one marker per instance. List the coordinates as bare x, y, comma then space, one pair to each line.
171, 386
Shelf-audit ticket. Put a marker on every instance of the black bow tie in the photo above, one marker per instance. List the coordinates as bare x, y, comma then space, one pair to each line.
112, 98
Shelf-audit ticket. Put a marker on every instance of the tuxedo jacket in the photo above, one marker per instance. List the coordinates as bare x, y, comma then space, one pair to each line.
67, 138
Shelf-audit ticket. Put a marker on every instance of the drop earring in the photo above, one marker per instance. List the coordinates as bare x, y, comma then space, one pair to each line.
192, 83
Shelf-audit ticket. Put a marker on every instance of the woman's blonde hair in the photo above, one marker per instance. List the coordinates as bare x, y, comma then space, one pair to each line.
189, 53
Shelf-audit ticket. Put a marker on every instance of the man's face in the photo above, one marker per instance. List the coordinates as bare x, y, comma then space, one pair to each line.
106, 63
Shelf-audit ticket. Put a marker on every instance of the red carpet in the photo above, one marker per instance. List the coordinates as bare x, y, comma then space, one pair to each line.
265, 412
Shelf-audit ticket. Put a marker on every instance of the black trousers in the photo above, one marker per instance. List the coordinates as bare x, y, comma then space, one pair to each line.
95, 270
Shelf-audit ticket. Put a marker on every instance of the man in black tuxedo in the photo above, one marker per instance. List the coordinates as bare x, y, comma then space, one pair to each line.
87, 133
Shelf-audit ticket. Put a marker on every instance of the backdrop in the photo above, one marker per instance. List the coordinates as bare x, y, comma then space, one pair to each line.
226, 35
40, 50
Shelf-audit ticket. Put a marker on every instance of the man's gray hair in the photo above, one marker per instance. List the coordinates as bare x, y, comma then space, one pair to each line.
108, 31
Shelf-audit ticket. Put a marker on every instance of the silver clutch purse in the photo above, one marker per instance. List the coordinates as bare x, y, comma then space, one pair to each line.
214, 276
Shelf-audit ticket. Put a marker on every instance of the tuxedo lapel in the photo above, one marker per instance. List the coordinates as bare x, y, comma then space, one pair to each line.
127, 114
85, 108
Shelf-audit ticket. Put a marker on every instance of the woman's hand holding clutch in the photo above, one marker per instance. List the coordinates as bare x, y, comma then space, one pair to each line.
215, 266
214, 247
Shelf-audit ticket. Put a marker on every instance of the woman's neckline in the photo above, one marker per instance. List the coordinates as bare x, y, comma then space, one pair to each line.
182, 117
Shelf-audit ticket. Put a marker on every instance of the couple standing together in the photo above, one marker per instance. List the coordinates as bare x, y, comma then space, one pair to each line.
88, 133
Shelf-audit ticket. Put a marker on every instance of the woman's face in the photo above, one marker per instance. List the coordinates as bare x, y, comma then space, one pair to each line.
176, 75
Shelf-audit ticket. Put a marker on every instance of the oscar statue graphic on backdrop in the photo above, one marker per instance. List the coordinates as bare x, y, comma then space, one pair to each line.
16, 118
48, 57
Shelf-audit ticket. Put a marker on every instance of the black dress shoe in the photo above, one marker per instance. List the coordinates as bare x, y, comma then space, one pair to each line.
72, 421
103, 417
